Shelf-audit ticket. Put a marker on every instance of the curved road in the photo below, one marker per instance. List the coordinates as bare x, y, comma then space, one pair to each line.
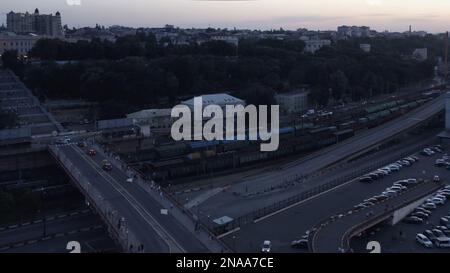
332, 236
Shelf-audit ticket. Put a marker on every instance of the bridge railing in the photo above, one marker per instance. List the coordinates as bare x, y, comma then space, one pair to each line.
159, 192
117, 223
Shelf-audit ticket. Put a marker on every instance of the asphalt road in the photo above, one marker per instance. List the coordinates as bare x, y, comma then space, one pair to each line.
401, 238
137, 206
330, 238
322, 158
292, 223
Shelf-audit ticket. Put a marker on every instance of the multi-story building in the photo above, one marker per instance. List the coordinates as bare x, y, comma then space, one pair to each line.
420, 54
41, 24
353, 31
311, 46
21, 43
293, 102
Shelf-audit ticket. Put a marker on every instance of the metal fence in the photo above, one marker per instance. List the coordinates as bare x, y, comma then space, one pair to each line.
255, 215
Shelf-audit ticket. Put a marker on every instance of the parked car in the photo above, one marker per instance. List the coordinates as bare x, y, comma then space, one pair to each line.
91, 152
423, 240
445, 222
439, 163
429, 206
366, 179
438, 201
439, 233
413, 220
419, 209
436, 178
430, 235
422, 215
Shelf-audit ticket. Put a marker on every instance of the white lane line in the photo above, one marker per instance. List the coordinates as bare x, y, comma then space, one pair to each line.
133, 201
303, 201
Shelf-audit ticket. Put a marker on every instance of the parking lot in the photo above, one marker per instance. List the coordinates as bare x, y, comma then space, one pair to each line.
401, 238
281, 229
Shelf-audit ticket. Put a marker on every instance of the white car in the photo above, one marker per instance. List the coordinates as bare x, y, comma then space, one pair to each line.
423, 240
436, 178
428, 206
266, 247
130, 180
438, 201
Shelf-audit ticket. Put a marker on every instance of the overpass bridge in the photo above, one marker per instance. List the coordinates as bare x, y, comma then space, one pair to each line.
333, 235
135, 214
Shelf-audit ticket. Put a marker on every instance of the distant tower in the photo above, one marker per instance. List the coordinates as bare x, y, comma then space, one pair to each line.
36, 11
447, 112
410, 30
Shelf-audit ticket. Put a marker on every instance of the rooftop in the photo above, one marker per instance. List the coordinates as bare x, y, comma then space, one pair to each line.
217, 99
150, 113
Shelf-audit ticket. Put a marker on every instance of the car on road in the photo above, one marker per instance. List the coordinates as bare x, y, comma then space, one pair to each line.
423, 240
91, 152
302, 244
436, 178
266, 246
81, 144
107, 166
130, 180
413, 220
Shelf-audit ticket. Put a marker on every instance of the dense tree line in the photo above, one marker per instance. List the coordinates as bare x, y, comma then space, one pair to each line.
8, 120
136, 72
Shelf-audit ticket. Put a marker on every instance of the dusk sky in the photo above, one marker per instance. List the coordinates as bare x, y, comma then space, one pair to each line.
393, 15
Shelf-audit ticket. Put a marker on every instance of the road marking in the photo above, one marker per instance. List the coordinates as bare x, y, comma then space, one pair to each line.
228, 233
133, 201
304, 201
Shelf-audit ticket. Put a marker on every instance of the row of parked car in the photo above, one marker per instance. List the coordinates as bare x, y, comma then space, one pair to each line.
432, 150
439, 236
443, 162
387, 170
397, 188
423, 212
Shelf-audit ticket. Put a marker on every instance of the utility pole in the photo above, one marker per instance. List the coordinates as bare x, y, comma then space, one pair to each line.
445, 58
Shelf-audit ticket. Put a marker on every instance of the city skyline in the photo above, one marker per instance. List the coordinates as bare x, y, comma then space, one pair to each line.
393, 15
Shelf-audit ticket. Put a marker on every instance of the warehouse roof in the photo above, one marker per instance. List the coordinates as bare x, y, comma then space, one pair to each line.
217, 99
150, 113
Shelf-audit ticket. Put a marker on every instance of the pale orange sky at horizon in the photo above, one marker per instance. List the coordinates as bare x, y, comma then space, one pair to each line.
392, 15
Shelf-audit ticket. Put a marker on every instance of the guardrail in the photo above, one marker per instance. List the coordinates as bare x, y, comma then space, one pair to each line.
255, 215
157, 191
120, 231
345, 247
